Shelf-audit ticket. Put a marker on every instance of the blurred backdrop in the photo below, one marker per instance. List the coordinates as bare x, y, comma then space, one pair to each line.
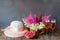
11, 10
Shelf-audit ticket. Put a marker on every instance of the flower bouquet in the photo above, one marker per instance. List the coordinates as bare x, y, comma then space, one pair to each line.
38, 24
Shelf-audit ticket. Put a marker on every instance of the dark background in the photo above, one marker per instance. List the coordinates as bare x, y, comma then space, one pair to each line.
16, 9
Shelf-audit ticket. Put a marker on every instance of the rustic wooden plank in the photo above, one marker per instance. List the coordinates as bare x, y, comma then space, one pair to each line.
54, 36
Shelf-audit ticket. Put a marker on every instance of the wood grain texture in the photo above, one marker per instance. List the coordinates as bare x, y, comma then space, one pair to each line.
52, 36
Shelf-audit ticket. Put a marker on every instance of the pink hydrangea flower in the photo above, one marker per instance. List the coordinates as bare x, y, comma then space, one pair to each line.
29, 34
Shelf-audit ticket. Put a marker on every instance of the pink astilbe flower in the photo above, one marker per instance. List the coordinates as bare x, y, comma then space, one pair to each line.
39, 19
31, 19
45, 18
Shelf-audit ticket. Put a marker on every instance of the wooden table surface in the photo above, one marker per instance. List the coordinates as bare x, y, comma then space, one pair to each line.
54, 36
